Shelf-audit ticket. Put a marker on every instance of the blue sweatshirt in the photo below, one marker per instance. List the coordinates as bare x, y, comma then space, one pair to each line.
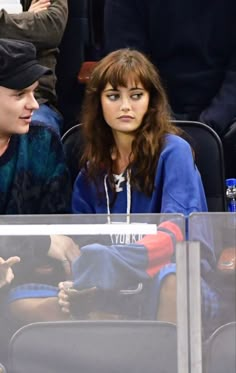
178, 189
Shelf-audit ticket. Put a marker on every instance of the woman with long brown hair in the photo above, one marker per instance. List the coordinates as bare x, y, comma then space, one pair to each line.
135, 161
126, 86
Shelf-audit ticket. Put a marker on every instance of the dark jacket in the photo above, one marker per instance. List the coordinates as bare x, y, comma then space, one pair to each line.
193, 44
33, 173
34, 180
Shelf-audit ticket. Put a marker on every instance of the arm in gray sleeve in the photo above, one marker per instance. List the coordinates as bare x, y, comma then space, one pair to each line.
44, 29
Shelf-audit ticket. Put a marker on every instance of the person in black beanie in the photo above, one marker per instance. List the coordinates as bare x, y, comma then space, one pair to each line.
29, 184
193, 45
33, 173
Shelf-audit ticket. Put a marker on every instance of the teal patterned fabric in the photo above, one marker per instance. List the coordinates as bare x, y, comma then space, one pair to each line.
34, 178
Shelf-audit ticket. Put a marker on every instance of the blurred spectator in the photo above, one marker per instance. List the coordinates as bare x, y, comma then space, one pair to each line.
42, 22
194, 47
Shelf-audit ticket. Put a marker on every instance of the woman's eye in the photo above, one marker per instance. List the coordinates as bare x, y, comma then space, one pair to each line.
136, 96
113, 97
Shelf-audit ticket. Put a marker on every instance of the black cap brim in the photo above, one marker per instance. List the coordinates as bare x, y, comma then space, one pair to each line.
25, 77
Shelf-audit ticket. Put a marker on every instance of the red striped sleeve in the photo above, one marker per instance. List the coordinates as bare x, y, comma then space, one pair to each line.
160, 246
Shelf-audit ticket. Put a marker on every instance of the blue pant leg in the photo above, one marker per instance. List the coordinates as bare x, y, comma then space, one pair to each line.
50, 117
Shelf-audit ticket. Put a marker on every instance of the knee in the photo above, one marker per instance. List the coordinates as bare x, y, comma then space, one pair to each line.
23, 309
35, 309
168, 288
167, 301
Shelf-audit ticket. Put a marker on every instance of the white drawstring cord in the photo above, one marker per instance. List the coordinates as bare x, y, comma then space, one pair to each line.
128, 191
107, 200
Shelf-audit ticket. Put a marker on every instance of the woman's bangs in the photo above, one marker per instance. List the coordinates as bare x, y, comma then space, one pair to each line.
122, 75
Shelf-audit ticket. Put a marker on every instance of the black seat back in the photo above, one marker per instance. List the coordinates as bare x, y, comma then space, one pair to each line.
221, 350
209, 159
73, 145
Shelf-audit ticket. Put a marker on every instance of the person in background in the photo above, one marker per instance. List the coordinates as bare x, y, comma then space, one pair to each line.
41, 22
192, 46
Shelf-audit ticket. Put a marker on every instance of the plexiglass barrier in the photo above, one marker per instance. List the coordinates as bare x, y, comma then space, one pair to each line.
88, 292
212, 292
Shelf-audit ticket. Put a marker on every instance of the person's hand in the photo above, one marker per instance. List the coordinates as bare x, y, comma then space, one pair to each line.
64, 249
63, 298
67, 295
39, 5
6, 273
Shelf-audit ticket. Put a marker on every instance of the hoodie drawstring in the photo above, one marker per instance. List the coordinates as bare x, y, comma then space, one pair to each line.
128, 192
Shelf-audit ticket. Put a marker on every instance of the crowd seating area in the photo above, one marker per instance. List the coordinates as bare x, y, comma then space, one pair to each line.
132, 342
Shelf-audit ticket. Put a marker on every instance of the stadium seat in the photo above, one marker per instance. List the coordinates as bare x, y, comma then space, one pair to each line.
221, 350
208, 150
94, 347
73, 144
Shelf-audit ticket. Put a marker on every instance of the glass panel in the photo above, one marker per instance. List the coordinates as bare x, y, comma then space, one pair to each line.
217, 235
86, 267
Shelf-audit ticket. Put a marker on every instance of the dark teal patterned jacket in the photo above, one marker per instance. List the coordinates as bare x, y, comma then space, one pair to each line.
34, 178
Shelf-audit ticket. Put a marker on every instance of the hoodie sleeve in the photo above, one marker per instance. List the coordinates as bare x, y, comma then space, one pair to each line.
161, 246
182, 189
120, 266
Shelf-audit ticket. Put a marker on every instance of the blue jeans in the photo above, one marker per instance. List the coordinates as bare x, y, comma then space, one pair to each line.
50, 117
